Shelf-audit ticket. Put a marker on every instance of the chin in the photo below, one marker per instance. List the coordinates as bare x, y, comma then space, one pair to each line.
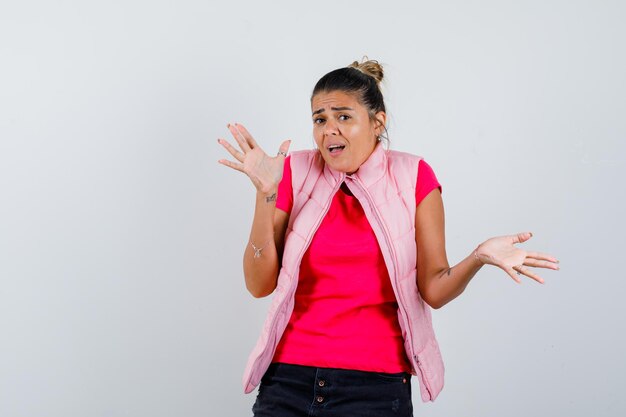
337, 166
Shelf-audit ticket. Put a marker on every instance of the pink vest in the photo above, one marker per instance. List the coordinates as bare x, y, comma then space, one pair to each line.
385, 188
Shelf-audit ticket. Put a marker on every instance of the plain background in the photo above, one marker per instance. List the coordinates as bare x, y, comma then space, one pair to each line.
121, 289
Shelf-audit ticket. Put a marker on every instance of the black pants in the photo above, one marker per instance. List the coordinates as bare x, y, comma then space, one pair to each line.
304, 391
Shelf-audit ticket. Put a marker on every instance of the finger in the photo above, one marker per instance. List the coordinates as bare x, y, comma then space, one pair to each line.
238, 155
513, 274
231, 150
284, 148
246, 135
521, 237
529, 273
541, 264
230, 164
542, 256
243, 143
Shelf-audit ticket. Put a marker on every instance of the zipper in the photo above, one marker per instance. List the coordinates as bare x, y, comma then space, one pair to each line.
424, 379
300, 256
394, 260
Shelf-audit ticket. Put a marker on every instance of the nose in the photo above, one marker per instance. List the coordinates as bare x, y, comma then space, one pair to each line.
330, 128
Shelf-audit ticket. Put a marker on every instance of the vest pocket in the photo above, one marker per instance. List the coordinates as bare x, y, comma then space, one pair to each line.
430, 365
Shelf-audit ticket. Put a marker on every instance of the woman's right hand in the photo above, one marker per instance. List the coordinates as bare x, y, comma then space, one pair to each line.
264, 171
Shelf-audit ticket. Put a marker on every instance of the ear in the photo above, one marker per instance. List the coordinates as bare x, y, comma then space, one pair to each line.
380, 121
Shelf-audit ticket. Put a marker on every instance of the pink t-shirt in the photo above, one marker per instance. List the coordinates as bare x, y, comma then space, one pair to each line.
345, 312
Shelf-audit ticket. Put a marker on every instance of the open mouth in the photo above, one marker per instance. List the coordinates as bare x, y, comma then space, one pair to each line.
336, 148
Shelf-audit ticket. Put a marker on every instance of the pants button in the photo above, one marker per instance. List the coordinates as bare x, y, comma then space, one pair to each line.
321, 383
319, 399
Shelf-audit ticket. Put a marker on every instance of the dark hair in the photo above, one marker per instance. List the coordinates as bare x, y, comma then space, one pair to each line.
359, 78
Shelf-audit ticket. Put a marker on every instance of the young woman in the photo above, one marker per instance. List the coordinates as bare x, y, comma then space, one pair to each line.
350, 238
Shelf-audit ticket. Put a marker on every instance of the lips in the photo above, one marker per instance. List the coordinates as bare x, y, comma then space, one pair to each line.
335, 148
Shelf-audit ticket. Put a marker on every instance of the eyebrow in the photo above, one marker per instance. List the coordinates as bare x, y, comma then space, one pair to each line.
332, 108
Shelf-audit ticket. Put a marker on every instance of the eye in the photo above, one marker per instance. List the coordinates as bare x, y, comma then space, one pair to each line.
344, 117
318, 120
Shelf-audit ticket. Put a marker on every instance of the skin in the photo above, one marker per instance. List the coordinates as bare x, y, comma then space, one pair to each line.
339, 118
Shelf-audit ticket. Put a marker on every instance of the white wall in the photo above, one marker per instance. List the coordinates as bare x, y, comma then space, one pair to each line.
121, 291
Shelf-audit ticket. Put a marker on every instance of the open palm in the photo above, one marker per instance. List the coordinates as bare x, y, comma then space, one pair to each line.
501, 252
264, 171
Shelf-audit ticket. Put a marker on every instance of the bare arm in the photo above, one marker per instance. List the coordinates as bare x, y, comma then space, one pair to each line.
263, 253
261, 265
438, 282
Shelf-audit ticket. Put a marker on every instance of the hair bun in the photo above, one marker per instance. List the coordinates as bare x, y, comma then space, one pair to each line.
369, 67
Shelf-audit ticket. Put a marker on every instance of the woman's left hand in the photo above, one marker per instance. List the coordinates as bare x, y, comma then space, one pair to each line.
501, 252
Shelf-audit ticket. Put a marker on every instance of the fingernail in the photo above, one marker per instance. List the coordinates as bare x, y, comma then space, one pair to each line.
228, 125
531, 234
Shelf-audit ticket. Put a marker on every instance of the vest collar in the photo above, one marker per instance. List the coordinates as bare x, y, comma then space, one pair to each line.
372, 170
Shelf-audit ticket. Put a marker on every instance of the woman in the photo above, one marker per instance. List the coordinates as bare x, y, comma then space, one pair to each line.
350, 238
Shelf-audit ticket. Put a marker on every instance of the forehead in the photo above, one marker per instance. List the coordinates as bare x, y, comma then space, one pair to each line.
326, 100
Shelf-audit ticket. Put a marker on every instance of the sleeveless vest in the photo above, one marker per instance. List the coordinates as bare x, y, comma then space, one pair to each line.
385, 188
